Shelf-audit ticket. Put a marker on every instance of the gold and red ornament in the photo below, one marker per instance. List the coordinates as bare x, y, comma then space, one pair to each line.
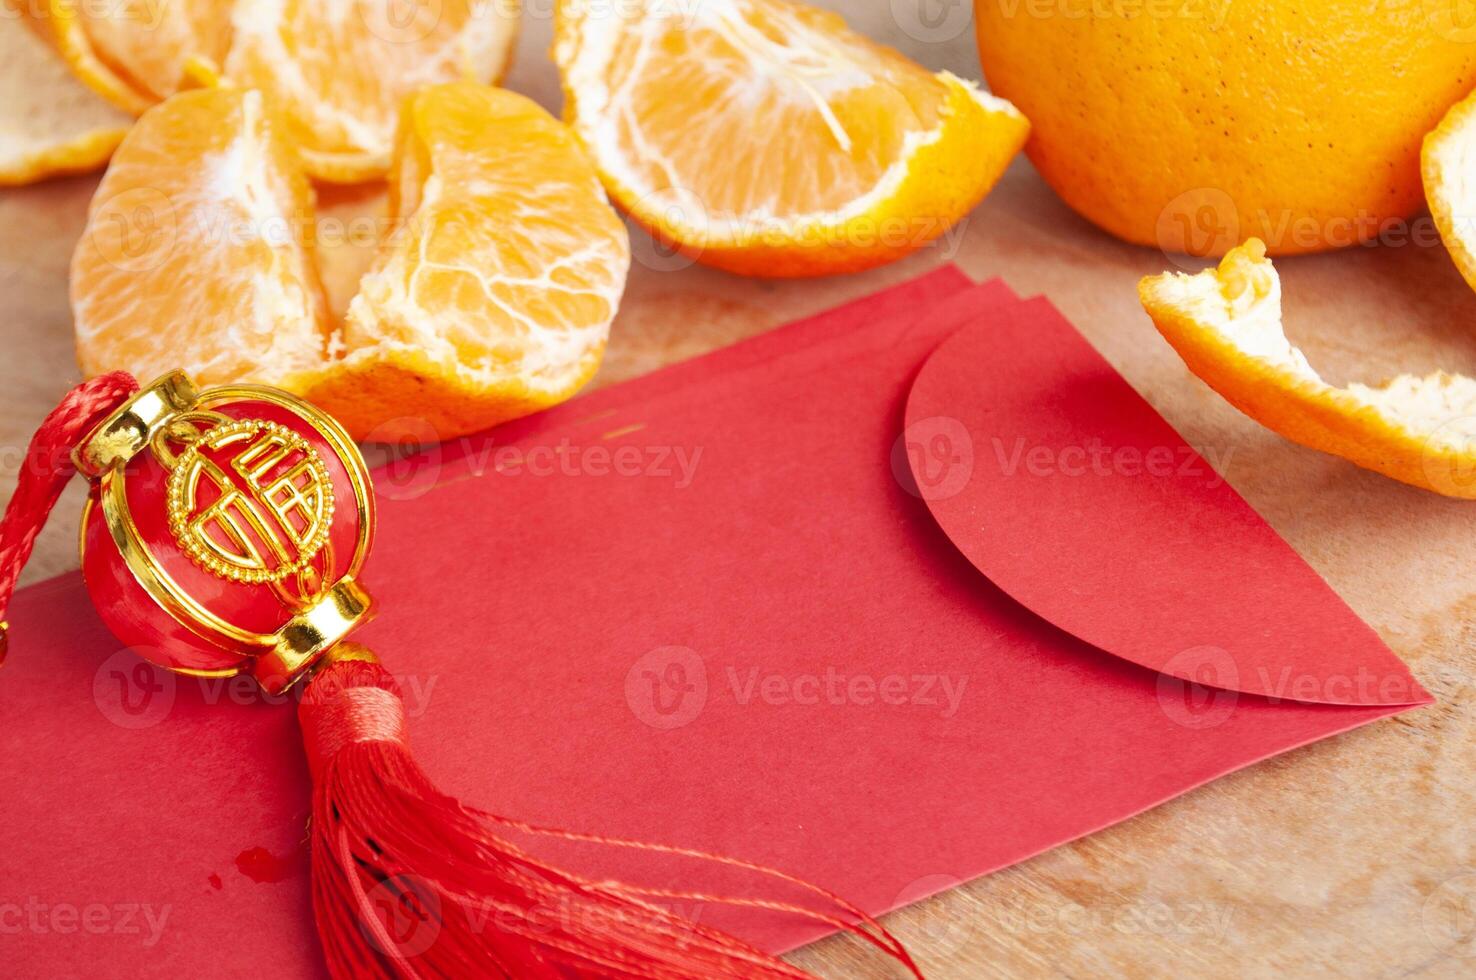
225, 533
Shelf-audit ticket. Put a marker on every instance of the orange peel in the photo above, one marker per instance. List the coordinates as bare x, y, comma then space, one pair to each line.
50, 124
1447, 167
1226, 325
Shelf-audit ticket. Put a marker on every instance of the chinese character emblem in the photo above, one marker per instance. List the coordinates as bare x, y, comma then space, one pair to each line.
251, 501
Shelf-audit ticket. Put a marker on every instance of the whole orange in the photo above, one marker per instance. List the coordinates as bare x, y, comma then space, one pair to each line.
1193, 125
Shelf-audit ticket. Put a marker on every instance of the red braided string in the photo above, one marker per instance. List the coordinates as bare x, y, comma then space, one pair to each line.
47, 467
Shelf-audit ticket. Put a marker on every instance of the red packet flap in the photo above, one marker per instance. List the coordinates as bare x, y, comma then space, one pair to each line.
1065, 488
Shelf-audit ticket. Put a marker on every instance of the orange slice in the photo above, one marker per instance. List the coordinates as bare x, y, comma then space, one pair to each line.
1448, 168
50, 123
341, 70
767, 138
493, 294
193, 255
1226, 325
137, 52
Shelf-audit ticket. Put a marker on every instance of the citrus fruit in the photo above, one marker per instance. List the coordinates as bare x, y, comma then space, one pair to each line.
767, 138
493, 292
336, 71
1193, 125
1226, 325
193, 255
137, 52
1447, 161
50, 123
340, 71
498, 270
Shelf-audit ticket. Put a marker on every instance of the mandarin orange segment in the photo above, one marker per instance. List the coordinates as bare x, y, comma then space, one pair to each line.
767, 138
337, 70
341, 70
136, 52
1226, 325
493, 294
193, 255
50, 123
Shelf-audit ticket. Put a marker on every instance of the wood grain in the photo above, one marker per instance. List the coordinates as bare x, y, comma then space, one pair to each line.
1353, 857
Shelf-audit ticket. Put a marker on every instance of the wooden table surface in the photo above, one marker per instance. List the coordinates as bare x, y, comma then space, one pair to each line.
1352, 857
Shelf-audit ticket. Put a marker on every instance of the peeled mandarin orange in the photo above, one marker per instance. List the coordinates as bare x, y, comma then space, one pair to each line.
1226, 325
341, 70
50, 123
137, 52
1448, 166
490, 296
193, 255
493, 293
767, 138
337, 71
1194, 125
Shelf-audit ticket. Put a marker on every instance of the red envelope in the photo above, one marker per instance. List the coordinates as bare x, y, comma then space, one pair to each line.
734, 606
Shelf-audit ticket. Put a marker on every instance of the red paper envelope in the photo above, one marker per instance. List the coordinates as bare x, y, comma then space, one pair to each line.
799, 601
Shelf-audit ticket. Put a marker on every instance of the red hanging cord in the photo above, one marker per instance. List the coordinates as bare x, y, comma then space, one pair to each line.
45, 470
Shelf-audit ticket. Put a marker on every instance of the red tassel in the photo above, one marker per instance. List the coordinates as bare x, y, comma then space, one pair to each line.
384, 840
46, 469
